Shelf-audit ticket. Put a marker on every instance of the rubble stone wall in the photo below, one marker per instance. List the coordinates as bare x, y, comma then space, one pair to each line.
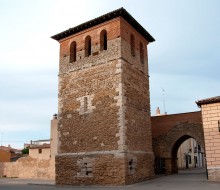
28, 167
104, 113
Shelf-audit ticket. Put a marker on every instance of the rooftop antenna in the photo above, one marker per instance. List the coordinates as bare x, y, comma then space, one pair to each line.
164, 102
2, 138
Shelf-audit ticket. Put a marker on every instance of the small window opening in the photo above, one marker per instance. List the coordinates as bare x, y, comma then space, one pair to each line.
199, 148
103, 40
142, 53
85, 104
130, 164
219, 125
88, 46
73, 52
132, 41
88, 170
189, 159
39, 151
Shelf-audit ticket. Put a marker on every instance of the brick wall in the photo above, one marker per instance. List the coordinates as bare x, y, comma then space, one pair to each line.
5, 156
211, 118
163, 123
170, 131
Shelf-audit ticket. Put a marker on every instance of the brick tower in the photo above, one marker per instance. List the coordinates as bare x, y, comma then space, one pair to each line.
104, 105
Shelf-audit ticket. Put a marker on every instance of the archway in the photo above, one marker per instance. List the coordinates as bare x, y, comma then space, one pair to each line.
187, 153
170, 131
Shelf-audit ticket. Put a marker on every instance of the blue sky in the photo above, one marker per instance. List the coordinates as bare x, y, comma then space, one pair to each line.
183, 60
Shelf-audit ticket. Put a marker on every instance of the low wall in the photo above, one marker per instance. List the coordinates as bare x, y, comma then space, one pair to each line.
28, 167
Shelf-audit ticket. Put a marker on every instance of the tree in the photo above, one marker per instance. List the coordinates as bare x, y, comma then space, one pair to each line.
25, 150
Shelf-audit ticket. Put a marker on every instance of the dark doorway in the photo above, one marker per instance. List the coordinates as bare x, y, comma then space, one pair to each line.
159, 167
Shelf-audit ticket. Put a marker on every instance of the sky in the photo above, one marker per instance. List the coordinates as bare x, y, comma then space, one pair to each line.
183, 61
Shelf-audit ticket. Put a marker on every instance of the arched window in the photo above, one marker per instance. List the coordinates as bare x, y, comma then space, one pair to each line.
142, 53
103, 40
88, 46
73, 52
132, 40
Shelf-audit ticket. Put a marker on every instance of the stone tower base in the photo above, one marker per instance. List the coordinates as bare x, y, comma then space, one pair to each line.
109, 168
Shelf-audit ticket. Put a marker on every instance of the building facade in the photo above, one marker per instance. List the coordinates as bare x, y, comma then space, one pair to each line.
211, 124
9, 154
104, 123
5, 155
40, 151
45, 149
190, 155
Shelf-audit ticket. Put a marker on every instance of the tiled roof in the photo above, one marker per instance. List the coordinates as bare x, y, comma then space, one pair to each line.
208, 101
40, 146
9, 149
111, 15
5, 148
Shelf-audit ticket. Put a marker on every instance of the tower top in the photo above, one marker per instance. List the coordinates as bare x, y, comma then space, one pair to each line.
106, 17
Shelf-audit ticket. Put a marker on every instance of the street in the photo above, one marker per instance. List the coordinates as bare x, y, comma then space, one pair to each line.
185, 180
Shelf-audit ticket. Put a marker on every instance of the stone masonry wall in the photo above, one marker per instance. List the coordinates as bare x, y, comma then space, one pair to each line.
88, 111
28, 167
91, 169
104, 112
211, 119
77, 127
137, 107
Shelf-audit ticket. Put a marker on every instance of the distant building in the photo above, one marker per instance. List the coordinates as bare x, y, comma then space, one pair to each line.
40, 164
190, 155
46, 148
9, 154
40, 151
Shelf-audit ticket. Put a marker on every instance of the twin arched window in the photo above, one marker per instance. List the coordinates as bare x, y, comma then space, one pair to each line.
88, 46
103, 46
103, 40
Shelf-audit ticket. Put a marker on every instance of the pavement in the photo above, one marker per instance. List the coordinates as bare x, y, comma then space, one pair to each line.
22, 181
193, 179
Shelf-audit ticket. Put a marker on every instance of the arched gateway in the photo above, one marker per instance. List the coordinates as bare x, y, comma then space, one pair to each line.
170, 131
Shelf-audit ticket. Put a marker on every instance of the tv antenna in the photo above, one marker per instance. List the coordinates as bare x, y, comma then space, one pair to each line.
164, 101
2, 137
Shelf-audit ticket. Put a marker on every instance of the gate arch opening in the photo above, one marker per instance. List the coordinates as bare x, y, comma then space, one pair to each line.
169, 132
174, 168
187, 154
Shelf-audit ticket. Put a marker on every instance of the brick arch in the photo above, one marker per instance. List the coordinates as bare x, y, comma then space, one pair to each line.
170, 131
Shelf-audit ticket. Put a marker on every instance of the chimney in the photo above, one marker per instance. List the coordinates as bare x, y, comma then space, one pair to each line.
158, 111
55, 116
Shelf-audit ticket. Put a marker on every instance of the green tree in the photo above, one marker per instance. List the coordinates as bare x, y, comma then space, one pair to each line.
25, 150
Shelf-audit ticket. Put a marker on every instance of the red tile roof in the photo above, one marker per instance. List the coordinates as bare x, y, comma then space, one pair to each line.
111, 15
9, 149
